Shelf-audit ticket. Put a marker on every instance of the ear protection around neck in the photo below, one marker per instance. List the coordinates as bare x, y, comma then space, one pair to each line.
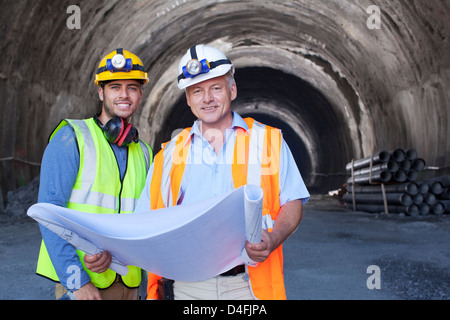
116, 132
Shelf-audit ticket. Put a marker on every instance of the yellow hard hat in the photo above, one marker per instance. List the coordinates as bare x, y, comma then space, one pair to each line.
120, 65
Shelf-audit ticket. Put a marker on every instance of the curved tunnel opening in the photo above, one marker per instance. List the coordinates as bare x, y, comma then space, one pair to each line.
317, 135
316, 67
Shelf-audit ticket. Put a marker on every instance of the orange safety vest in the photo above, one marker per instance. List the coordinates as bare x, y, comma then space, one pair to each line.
261, 149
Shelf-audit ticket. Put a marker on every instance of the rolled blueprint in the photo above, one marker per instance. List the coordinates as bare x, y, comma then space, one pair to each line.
253, 212
253, 219
190, 242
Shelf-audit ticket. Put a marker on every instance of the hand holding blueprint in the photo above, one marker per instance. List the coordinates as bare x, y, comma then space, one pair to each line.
188, 242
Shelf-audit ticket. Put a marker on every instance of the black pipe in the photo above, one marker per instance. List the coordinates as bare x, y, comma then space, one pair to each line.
424, 188
430, 199
435, 187
409, 187
446, 204
424, 209
418, 164
411, 175
400, 176
438, 208
445, 195
411, 154
379, 176
380, 157
398, 155
405, 164
411, 210
377, 198
417, 198
391, 166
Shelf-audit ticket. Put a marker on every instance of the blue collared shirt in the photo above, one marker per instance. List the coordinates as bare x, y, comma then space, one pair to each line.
208, 174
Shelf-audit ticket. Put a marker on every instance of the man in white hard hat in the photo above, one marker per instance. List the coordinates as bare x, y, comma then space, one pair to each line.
206, 74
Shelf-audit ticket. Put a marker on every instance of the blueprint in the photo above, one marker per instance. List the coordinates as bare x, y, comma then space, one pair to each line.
190, 242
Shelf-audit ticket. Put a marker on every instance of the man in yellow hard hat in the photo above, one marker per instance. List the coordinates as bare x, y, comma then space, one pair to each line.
96, 165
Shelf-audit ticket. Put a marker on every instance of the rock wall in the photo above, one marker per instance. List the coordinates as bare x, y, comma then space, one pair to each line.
338, 87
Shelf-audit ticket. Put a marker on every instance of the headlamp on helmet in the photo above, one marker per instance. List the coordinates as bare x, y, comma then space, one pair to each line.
201, 63
194, 67
119, 63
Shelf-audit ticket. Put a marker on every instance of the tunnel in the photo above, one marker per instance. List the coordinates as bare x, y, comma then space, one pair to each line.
342, 78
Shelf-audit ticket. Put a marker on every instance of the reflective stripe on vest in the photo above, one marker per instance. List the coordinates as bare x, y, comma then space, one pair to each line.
255, 161
165, 180
86, 195
255, 153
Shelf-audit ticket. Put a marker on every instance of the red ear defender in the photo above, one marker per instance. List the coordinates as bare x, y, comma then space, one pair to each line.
115, 131
128, 136
115, 128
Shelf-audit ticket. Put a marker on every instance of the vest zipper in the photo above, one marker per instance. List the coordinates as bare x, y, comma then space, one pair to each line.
120, 177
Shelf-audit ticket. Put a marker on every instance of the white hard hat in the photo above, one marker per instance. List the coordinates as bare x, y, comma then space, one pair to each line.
202, 63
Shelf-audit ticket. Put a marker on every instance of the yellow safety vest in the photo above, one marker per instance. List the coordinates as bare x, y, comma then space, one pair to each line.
256, 160
99, 189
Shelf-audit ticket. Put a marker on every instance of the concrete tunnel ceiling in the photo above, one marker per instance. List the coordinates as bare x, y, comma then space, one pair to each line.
338, 89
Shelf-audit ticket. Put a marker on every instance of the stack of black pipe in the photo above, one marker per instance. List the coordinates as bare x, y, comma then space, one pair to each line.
397, 172
396, 166
438, 195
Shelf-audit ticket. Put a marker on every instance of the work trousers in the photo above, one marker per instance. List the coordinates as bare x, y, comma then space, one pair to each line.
218, 288
117, 291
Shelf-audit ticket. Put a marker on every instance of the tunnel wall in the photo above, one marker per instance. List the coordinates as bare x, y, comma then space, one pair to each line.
366, 89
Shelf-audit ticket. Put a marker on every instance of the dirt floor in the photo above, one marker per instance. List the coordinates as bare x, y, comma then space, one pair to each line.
19, 248
327, 258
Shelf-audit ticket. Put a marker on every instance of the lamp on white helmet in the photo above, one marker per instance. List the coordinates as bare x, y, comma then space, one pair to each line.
202, 63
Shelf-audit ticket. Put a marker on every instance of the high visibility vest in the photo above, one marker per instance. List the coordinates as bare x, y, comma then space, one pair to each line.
99, 189
256, 160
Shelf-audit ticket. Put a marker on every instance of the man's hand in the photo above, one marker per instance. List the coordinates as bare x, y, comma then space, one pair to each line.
98, 262
88, 292
259, 252
287, 222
